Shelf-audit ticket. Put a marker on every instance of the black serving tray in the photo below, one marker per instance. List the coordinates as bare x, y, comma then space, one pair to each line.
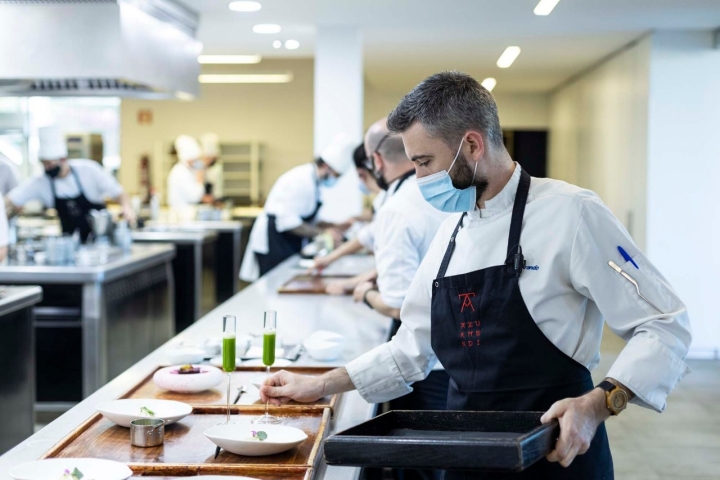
453, 440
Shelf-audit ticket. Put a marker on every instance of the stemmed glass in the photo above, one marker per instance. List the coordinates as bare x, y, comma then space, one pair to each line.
228, 354
269, 328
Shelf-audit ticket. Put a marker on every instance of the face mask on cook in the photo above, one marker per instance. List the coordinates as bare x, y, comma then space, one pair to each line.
329, 181
364, 189
197, 164
53, 171
439, 191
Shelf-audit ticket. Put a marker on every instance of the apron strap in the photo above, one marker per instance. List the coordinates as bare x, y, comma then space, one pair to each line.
450, 248
404, 177
518, 212
77, 181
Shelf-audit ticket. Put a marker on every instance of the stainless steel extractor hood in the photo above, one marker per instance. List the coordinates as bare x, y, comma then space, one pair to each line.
127, 48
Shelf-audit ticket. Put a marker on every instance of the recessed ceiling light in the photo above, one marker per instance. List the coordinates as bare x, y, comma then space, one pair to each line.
267, 28
247, 78
292, 44
489, 83
184, 96
508, 57
544, 7
229, 59
277, 44
245, 6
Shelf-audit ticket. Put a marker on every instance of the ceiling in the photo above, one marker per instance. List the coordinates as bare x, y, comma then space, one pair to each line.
406, 40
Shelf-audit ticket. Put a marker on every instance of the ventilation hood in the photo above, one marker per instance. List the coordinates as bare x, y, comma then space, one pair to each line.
126, 48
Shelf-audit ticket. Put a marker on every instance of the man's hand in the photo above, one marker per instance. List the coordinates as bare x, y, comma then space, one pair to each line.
284, 386
579, 419
338, 288
361, 289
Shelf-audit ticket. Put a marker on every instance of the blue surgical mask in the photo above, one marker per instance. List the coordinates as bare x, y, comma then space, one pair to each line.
438, 190
198, 165
329, 181
364, 189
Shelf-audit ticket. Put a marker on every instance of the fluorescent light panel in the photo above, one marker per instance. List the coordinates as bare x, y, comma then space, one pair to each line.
544, 7
244, 6
184, 96
229, 59
489, 83
267, 28
247, 78
292, 44
508, 57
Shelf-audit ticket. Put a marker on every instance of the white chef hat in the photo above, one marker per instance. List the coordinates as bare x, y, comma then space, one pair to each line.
187, 148
210, 144
339, 154
52, 143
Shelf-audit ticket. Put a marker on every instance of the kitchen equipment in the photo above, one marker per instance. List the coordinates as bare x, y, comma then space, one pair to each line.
630, 279
498, 441
308, 284
123, 235
123, 412
101, 224
147, 432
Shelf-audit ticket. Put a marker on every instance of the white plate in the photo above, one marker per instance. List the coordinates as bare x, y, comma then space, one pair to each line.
53, 469
324, 345
122, 412
257, 362
168, 379
184, 355
237, 438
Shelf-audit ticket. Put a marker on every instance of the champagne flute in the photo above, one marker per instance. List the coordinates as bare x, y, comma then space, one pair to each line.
228, 353
269, 328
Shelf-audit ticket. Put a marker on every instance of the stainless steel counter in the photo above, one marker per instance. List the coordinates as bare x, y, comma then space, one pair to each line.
17, 356
95, 322
193, 267
298, 315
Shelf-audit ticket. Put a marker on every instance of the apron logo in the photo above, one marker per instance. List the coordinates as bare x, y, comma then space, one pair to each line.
466, 301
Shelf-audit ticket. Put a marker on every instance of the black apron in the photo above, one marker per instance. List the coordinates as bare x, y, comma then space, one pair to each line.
497, 357
283, 245
73, 211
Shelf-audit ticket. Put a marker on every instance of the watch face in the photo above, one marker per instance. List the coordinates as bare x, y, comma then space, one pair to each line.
618, 400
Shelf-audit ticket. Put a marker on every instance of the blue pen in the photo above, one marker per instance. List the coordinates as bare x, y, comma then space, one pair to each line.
627, 257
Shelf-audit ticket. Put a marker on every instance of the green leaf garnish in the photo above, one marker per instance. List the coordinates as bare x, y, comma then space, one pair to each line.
261, 436
147, 411
77, 474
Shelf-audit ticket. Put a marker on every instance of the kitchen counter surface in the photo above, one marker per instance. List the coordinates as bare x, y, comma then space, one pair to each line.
298, 316
139, 258
16, 298
174, 236
195, 226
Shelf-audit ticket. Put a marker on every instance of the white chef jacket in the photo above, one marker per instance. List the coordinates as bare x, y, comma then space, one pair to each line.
9, 177
568, 237
404, 229
366, 235
3, 224
97, 185
294, 196
183, 188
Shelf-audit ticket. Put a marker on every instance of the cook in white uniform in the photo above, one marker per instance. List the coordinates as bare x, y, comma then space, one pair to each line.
72, 187
186, 181
289, 214
9, 176
210, 143
3, 230
562, 291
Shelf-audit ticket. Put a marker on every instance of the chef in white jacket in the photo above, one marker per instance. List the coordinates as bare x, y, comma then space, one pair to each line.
186, 181
210, 143
514, 291
9, 176
288, 218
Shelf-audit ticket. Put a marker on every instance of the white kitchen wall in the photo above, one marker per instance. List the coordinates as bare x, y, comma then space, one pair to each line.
683, 223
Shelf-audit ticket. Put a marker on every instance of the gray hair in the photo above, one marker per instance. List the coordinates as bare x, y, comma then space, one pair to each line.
448, 104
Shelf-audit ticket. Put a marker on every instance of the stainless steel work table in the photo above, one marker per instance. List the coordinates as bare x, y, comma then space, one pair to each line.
298, 315
193, 268
96, 321
228, 255
17, 357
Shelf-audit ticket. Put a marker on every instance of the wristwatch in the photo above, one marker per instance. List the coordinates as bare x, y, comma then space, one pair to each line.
365, 300
615, 397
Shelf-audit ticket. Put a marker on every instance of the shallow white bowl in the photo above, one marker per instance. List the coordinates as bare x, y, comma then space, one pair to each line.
327, 335
53, 469
257, 362
122, 412
185, 355
168, 379
236, 438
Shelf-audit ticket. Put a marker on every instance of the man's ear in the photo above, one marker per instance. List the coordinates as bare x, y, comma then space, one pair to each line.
476, 142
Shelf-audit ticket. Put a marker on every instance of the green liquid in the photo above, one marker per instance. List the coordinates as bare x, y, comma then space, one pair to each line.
228, 352
268, 348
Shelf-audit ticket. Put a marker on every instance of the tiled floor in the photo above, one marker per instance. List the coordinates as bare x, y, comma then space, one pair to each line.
681, 443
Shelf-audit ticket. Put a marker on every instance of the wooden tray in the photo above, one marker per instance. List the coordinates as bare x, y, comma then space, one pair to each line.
310, 284
497, 441
186, 450
249, 401
259, 473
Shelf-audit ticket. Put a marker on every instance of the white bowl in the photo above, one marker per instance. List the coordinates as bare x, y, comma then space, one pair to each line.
327, 335
258, 362
169, 379
323, 350
185, 355
237, 439
53, 469
122, 412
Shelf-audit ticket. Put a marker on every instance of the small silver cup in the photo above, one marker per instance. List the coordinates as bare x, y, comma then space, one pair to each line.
147, 432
